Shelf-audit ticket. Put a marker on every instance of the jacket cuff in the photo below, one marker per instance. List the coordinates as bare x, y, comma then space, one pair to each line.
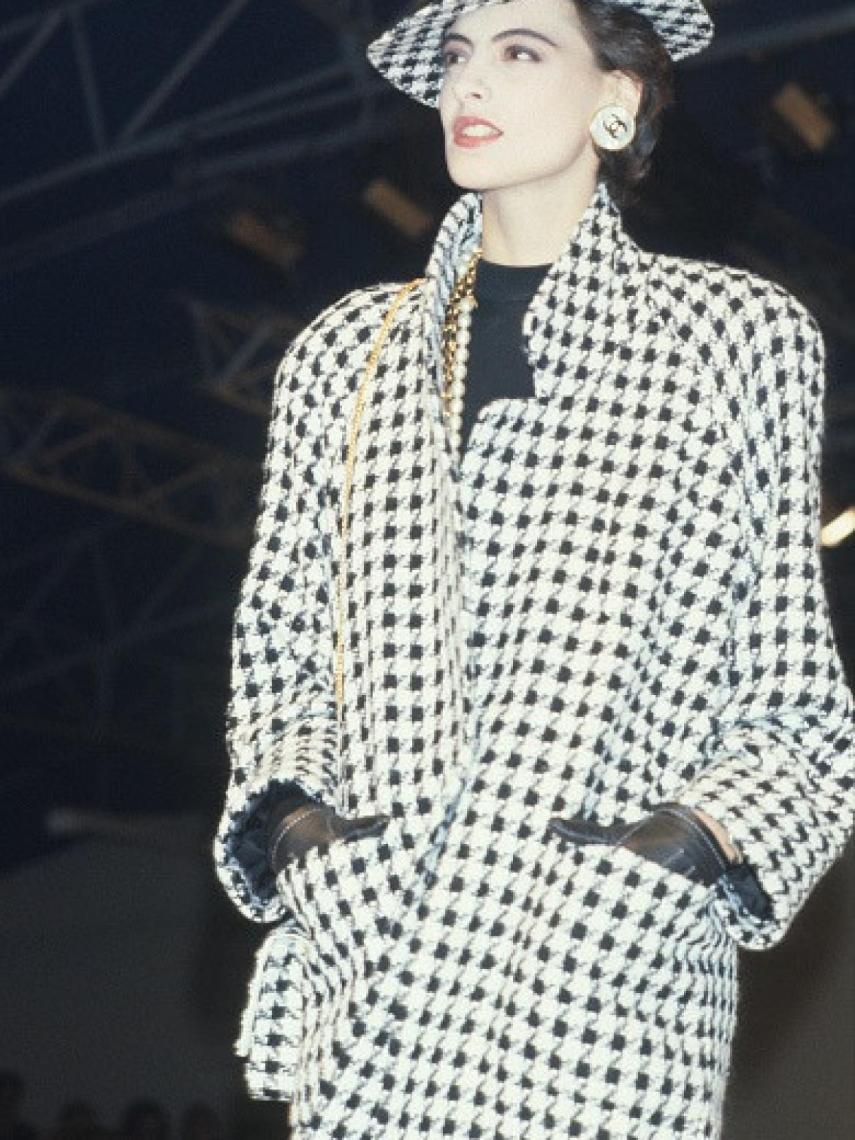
744, 902
301, 761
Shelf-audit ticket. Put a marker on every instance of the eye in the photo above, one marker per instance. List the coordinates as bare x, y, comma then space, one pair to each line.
520, 51
450, 56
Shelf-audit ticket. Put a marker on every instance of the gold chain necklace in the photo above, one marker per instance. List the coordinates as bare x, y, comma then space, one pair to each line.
455, 347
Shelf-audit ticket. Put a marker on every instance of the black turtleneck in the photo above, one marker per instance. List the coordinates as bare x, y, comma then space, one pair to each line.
498, 366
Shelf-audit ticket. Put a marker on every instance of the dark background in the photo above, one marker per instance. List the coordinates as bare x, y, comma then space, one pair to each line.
182, 186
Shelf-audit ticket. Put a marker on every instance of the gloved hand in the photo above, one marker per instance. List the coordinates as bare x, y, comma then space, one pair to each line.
672, 836
316, 825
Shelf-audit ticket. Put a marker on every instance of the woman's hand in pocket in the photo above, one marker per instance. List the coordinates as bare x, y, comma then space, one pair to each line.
316, 825
671, 835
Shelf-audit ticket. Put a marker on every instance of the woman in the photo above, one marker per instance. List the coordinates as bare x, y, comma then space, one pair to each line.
537, 713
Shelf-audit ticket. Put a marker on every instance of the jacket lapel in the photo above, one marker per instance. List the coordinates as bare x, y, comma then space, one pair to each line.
569, 327
570, 316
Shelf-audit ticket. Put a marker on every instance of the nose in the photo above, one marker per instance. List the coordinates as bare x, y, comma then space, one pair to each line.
468, 81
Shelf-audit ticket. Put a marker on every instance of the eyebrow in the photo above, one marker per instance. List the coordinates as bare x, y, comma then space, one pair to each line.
501, 36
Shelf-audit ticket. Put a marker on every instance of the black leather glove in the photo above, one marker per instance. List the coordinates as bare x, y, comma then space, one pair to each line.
315, 824
672, 836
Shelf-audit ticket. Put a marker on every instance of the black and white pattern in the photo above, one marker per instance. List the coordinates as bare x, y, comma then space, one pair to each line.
409, 54
614, 600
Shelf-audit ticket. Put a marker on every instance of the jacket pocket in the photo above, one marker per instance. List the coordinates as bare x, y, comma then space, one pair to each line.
645, 983
628, 909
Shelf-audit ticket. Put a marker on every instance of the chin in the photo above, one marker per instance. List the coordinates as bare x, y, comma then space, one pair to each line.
470, 179
467, 183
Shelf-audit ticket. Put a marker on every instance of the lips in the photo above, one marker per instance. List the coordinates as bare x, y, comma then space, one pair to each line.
469, 131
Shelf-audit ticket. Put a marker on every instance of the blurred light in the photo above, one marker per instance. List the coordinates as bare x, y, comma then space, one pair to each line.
799, 122
839, 529
395, 207
281, 246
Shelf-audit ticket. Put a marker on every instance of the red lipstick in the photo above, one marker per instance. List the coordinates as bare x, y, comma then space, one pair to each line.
470, 131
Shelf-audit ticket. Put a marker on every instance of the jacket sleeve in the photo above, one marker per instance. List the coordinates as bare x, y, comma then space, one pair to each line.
281, 721
779, 766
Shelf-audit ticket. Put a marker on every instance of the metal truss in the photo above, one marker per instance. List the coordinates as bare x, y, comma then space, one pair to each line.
213, 135
110, 672
239, 352
338, 84
73, 447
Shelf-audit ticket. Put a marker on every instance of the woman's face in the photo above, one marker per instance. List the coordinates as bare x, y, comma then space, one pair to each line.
519, 92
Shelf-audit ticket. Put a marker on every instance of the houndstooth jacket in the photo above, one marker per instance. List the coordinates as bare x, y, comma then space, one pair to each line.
613, 600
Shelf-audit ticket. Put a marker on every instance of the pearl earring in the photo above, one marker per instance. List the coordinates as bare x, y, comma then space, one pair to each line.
613, 127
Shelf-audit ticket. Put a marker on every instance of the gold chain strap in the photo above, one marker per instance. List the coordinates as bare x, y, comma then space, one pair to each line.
368, 376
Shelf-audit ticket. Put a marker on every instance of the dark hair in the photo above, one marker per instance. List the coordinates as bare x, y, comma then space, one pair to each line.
624, 40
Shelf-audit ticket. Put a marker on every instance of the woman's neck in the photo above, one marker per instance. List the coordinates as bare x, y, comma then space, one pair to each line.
520, 227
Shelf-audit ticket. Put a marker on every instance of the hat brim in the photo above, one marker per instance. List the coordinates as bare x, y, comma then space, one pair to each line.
409, 56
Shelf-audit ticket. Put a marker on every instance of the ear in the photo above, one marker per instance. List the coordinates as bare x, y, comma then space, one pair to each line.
625, 88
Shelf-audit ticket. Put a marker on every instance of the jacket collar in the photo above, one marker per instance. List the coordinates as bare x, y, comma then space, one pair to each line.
568, 323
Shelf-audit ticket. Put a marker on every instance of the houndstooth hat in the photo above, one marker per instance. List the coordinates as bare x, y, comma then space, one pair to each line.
409, 53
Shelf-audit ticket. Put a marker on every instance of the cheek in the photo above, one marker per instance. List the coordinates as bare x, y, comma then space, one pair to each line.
572, 96
549, 124
562, 120
444, 109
